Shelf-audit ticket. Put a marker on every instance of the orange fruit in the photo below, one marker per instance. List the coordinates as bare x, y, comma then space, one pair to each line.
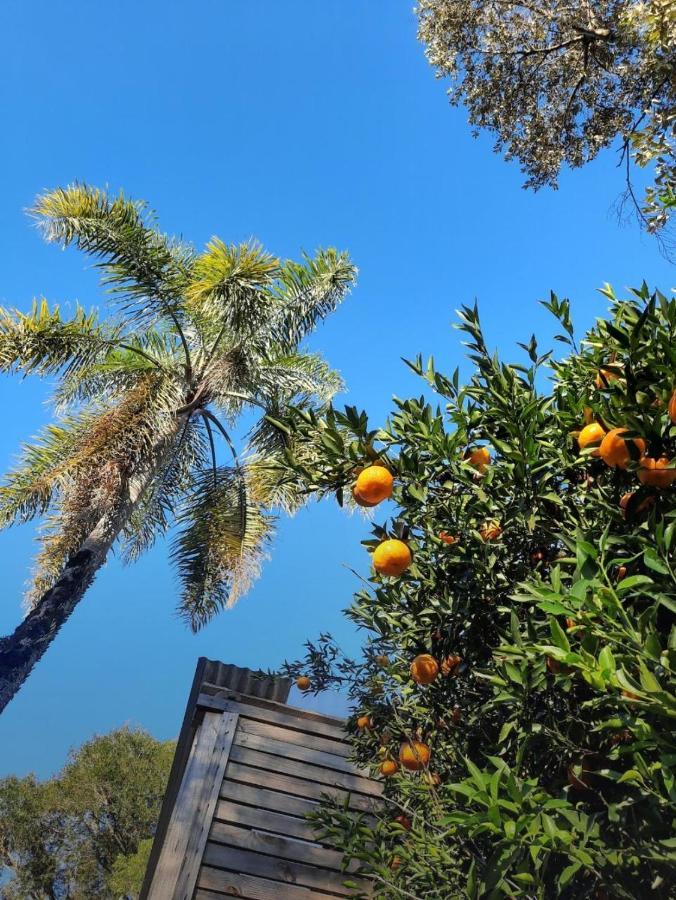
364, 722
449, 664
480, 458
490, 531
374, 484
404, 821
621, 573
614, 449
447, 538
414, 755
656, 472
432, 778
604, 377
303, 683
591, 434
671, 408
388, 768
424, 669
359, 500
626, 504
392, 557
395, 862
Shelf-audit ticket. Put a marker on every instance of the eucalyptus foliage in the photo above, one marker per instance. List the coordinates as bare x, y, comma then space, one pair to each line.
553, 742
145, 400
556, 82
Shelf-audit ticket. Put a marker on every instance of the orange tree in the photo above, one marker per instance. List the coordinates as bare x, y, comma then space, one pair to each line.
516, 689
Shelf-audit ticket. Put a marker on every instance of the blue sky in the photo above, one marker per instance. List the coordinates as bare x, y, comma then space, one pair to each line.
302, 124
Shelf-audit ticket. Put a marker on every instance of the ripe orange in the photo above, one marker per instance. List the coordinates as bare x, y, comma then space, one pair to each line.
614, 449
432, 778
395, 862
447, 538
449, 664
604, 377
392, 557
374, 484
480, 458
359, 500
626, 504
490, 531
388, 768
364, 722
424, 669
671, 408
591, 434
621, 572
656, 472
414, 755
303, 682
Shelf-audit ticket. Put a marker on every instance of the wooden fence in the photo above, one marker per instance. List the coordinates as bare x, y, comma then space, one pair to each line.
238, 825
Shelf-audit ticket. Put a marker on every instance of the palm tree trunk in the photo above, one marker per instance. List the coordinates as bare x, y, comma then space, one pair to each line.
20, 651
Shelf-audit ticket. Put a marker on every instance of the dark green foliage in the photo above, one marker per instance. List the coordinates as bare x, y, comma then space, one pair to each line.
553, 745
87, 831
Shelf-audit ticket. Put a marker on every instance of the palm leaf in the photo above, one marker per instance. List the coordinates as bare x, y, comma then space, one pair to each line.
146, 271
221, 544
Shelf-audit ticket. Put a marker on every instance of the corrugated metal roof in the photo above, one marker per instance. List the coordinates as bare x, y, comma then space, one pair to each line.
246, 681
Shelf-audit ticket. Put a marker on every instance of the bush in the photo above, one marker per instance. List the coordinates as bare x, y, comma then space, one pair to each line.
543, 584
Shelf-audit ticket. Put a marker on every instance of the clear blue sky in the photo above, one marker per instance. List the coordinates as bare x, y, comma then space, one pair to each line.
302, 123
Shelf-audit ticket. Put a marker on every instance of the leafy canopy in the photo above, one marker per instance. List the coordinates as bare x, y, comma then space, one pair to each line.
551, 721
556, 82
145, 398
87, 831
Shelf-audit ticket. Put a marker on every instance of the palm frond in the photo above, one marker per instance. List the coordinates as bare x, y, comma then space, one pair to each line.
44, 343
306, 293
297, 378
158, 504
228, 291
145, 270
221, 544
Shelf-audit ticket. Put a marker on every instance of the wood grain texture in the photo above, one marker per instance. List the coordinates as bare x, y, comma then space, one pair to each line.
276, 714
180, 858
266, 819
265, 799
296, 786
248, 862
302, 769
237, 884
302, 752
277, 845
297, 738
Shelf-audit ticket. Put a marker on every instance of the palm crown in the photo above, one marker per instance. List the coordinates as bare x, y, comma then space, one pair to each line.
145, 399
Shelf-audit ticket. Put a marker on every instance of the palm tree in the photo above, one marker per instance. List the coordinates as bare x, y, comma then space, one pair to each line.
145, 401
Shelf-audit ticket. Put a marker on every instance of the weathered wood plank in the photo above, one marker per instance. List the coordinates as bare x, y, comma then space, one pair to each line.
277, 845
298, 751
209, 688
296, 786
272, 800
251, 816
297, 738
300, 769
237, 884
251, 863
181, 855
274, 713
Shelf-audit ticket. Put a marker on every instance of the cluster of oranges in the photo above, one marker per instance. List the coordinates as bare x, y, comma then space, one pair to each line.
617, 450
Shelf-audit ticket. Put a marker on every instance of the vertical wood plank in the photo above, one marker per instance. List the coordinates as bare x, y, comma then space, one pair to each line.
179, 862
